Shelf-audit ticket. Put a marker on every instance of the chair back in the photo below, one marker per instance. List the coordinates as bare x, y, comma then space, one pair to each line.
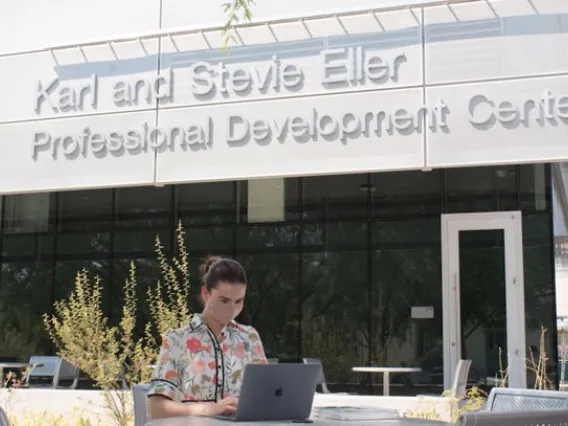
42, 368
515, 418
321, 379
459, 386
509, 399
67, 372
141, 416
4, 420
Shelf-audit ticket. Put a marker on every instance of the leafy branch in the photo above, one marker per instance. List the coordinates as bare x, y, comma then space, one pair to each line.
237, 11
114, 357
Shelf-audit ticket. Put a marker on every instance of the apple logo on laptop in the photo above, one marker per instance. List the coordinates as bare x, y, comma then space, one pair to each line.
279, 392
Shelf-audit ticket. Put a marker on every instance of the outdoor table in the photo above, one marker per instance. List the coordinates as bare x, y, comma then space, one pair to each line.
208, 421
386, 373
8, 365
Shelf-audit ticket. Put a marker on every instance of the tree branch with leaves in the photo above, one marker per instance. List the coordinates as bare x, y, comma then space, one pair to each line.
113, 356
237, 12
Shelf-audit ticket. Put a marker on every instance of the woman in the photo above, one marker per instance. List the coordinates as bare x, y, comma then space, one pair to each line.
200, 366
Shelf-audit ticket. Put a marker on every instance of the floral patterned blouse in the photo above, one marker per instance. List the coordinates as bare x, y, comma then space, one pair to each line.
194, 365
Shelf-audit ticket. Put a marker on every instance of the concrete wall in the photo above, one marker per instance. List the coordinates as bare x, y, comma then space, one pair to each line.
477, 82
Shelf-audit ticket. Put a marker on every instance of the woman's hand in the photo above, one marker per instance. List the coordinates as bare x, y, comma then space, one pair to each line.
226, 406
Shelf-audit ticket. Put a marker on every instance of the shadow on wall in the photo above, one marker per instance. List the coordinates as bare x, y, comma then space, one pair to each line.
536, 24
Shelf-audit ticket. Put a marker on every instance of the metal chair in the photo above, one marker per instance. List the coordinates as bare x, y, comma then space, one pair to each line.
141, 416
321, 379
65, 371
42, 371
4, 420
459, 385
516, 418
510, 399
54, 369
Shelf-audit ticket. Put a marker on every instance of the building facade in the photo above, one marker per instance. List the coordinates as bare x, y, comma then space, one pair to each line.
385, 172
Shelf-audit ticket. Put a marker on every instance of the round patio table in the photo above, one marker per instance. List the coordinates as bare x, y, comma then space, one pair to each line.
386, 374
208, 421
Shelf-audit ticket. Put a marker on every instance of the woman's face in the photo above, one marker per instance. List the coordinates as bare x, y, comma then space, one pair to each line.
225, 302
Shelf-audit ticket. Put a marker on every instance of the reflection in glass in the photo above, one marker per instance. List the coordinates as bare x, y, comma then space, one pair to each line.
66, 272
407, 273
335, 300
210, 240
143, 207
272, 301
481, 189
147, 275
334, 274
268, 253
540, 312
85, 210
141, 242
27, 213
335, 197
206, 203
27, 247
83, 245
25, 295
534, 188
406, 194
482, 304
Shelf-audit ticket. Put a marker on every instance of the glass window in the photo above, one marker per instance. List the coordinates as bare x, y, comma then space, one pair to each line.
540, 288
481, 189
147, 276
77, 251
27, 213
268, 254
268, 200
406, 272
482, 302
30, 247
143, 207
66, 273
141, 243
335, 301
138, 246
25, 295
85, 210
336, 197
207, 203
534, 187
406, 194
210, 240
83, 245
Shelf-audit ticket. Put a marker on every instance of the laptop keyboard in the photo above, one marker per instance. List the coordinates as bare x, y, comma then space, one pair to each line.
231, 417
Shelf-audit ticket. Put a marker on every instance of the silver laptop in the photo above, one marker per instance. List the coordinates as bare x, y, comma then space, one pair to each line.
276, 392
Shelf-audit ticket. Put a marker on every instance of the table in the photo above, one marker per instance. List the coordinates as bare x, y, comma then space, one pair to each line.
207, 421
386, 373
7, 365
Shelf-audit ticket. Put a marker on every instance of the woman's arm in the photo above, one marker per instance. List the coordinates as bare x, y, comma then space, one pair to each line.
160, 407
165, 394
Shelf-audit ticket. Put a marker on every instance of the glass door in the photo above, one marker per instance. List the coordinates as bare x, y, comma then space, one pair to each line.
483, 297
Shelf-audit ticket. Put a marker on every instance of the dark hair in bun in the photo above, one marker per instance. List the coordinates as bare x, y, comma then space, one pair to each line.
217, 269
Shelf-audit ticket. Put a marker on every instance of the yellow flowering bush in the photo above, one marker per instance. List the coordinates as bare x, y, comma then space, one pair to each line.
112, 355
